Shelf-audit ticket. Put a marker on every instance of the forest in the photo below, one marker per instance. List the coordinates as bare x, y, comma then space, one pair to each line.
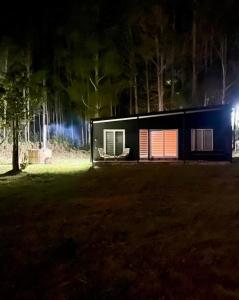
63, 64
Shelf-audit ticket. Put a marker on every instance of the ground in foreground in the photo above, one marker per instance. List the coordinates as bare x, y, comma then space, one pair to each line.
120, 232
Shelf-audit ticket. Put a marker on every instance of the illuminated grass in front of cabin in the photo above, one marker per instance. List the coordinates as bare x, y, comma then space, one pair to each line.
61, 166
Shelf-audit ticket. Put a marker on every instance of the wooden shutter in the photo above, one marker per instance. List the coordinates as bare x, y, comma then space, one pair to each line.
143, 143
157, 143
170, 143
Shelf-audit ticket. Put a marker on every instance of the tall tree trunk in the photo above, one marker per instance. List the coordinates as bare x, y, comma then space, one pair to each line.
206, 55
223, 59
82, 133
15, 148
40, 129
4, 101
48, 122
44, 126
34, 128
86, 132
27, 92
211, 47
147, 84
159, 71
96, 85
173, 64
172, 75
57, 113
44, 112
133, 74
161, 82
26, 129
88, 136
130, 99
136, 94
194, 58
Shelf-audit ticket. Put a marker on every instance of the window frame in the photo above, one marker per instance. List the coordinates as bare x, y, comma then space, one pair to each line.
114, 131
194, 132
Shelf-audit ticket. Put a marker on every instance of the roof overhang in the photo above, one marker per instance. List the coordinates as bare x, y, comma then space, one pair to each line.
162, 114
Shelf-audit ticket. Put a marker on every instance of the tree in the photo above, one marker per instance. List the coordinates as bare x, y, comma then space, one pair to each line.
18, 89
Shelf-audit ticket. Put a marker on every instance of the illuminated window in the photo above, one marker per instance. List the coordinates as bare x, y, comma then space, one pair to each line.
114, 141
202, 139
143, 143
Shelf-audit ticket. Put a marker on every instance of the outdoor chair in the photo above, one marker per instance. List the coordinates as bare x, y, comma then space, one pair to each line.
125, 153
236, 146
102, 154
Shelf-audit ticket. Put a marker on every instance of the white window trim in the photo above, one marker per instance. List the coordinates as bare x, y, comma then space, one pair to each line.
194, 149
114, 130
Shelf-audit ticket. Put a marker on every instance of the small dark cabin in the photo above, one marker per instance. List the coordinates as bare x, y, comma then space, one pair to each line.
187, 134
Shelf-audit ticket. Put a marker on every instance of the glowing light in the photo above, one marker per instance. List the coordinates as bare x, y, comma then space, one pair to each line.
235, 117
168, 82
71, 133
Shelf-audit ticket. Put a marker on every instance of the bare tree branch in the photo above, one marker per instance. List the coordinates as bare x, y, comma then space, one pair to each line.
91, 81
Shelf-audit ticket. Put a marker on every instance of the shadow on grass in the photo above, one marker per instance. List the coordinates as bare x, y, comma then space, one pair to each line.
11, 173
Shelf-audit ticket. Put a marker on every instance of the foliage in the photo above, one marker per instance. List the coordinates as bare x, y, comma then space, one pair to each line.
17, 89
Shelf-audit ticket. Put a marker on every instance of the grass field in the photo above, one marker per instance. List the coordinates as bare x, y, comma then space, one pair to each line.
120, 232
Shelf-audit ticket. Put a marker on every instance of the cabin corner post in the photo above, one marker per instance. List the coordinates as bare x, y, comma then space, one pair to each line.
232, 134
91, 143
184, 137
138, 155
232, 137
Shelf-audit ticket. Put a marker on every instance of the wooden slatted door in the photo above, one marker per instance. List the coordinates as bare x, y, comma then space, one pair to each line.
157, 143
164, 143
170, 143
143, 144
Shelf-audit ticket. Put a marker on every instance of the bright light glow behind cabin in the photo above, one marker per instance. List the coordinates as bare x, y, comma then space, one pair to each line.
235, 117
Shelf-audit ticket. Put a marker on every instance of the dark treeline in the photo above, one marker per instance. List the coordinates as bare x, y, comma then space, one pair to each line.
105, 59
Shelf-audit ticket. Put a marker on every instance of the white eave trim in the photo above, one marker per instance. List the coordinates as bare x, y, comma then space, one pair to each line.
114, 120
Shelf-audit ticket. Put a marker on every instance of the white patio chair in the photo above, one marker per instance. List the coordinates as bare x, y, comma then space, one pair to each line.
103, 154
125, 153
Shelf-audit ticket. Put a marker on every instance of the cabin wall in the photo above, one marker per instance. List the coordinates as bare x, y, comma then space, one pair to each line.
131, 136
166, 122
219, 120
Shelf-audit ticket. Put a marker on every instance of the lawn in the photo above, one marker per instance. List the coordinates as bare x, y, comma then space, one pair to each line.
120, 232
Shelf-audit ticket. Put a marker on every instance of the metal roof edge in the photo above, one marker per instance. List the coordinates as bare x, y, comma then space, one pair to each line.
164, 113
113, 120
